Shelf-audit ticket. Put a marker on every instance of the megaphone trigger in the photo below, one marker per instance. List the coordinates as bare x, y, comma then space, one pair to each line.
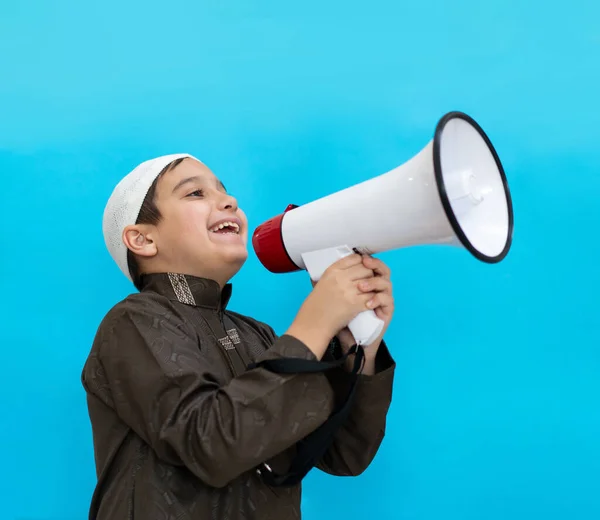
366, 327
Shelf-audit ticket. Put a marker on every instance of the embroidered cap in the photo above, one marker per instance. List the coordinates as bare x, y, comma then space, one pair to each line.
125, 202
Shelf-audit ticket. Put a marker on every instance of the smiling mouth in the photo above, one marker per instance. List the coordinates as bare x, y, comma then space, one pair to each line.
226, 228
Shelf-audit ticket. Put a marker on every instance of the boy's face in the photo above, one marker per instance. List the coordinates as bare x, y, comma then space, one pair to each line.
189, 238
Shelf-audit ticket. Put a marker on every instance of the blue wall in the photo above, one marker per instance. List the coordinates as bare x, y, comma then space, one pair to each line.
495, 412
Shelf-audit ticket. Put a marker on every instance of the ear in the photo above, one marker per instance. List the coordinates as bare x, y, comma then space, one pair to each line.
138, 240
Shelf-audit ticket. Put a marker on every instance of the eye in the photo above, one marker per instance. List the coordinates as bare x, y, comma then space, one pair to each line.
196, 193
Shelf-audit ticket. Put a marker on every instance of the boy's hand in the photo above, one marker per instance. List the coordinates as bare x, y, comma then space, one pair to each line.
335, 300
383, 305
383, 302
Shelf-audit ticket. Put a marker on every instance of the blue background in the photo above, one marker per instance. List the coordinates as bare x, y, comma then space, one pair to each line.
495, 411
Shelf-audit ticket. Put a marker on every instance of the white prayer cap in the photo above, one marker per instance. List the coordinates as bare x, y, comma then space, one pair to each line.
123, 206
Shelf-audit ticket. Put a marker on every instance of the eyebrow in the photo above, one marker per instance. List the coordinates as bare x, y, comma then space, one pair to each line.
195, 178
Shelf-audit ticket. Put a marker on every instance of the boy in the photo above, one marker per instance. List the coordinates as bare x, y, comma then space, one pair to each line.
190, 418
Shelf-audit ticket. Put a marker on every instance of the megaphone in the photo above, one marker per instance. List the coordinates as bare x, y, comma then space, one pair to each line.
453, 192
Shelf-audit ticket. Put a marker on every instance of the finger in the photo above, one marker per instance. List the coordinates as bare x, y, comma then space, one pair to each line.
359, 272
381, 300
376, 284
347, 262
364, 299
377, 265
383, 313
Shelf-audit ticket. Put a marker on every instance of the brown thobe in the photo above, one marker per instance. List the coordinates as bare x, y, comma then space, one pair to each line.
178, 435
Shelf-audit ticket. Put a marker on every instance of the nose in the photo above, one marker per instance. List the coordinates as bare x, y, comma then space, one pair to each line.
227, 201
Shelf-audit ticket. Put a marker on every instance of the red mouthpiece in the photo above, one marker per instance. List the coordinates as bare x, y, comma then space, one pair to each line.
269, 247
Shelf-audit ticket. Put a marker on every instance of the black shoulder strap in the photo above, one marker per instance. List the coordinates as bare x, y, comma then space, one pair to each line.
312, 448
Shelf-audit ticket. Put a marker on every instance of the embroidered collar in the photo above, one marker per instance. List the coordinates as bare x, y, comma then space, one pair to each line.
191, 290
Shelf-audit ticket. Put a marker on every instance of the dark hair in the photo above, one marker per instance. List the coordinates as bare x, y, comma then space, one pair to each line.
149, 214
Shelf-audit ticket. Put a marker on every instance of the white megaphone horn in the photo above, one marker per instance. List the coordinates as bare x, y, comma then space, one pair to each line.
453, 192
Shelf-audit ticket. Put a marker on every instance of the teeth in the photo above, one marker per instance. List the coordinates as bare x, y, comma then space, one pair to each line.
233, 225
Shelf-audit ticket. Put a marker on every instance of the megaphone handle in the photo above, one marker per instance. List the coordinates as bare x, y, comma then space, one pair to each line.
365, 327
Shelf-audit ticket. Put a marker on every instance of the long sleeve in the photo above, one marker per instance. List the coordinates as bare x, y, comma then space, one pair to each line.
358, 440
356, 443
163, 388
